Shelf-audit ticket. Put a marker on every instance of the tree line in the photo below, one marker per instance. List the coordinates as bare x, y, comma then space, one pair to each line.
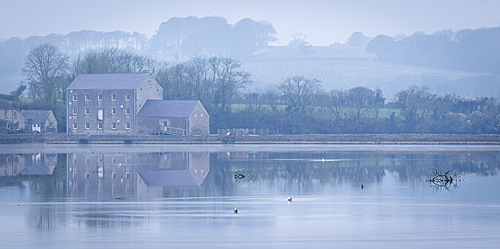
466, 50
295, 105
176, 39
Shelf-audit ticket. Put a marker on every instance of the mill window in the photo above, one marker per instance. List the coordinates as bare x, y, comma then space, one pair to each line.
100, 114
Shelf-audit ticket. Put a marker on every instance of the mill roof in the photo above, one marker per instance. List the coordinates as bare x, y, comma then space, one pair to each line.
108, 81
168, 108
36, 116
168, 178
36, 170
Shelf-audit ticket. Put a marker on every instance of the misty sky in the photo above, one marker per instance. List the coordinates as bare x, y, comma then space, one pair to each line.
322, 21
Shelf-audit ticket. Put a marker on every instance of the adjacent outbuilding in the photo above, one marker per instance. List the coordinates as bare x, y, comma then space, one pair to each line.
173, 117
38, 121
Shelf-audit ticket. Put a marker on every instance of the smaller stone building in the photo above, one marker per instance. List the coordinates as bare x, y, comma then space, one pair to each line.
173, 117
38, 121
10, 119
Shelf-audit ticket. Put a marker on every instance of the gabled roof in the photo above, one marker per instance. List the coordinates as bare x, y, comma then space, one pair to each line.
168, 178
39, 170
108, 81
36, 116
4, 105
168, 108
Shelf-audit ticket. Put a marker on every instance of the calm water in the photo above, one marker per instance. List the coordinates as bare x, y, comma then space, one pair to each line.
184, 196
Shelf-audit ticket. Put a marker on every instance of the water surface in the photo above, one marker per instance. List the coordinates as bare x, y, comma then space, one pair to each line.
184, 197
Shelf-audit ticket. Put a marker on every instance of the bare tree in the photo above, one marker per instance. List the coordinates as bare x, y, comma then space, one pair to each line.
299, 93
360, 100
215, 81
272, 98
228, 79
336, 104
198, 76
415, 106
112, 60
44, 68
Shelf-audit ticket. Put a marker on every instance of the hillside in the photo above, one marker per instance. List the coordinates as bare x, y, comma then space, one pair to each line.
340, 67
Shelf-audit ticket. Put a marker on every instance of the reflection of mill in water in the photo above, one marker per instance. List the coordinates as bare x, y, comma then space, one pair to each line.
129, 176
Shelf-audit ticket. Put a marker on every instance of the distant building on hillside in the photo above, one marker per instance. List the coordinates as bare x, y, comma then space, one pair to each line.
129, 104
38, 121
10, 118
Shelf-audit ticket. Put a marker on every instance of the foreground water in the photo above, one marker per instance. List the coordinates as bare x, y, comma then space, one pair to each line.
184, 197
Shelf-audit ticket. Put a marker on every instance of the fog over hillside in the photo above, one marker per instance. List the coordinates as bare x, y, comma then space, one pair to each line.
246, 74
442, 61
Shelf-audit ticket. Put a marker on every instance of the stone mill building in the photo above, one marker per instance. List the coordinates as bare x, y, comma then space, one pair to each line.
110, 103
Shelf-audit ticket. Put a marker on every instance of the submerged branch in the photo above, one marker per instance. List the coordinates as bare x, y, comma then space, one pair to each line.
447, 179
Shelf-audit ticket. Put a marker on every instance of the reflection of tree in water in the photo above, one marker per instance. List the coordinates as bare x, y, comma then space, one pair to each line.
418, 166
304, 170
45, 189
271, 171
444, 180
293, 170
46, 216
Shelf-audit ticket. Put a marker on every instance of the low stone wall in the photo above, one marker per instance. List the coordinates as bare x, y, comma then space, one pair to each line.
377, 139
62, 138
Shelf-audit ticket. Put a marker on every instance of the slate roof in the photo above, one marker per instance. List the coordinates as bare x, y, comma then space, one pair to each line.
4, 105
167, 178
35, 116
167, 108
108, 81
36, 171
